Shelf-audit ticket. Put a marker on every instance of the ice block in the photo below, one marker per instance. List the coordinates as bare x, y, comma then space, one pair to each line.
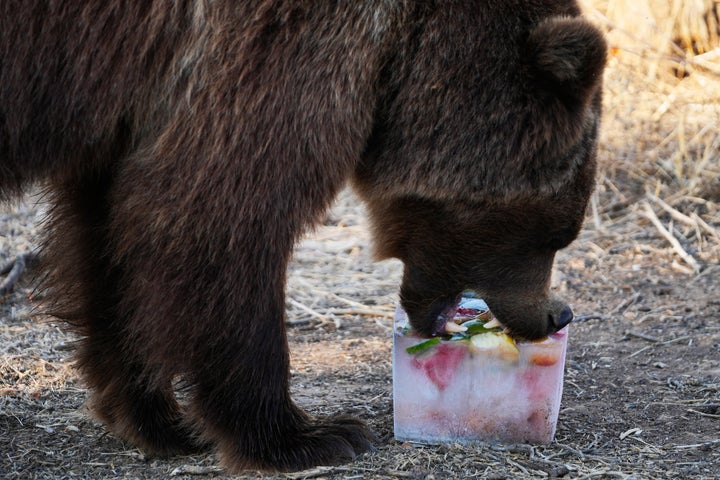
475, 387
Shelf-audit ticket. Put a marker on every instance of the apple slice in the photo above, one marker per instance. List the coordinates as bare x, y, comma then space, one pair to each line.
494, 344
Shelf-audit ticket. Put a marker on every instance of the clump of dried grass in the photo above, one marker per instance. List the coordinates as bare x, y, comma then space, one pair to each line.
661, 130
685, 33
678, 141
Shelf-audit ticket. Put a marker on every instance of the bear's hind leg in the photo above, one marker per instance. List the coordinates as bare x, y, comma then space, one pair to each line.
138, 409
85, 288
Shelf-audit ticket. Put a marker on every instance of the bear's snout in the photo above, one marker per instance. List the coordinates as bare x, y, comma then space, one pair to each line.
561, 320
530, 318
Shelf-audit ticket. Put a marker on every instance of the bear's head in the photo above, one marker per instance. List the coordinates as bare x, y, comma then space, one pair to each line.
482, 159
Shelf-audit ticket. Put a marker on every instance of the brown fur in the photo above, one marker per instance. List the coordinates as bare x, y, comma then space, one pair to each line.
187, 145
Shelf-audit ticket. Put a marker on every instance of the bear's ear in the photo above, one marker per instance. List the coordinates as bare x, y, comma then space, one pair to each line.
567, 56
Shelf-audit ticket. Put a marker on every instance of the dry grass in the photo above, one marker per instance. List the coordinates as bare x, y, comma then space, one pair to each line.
660, 146
642, 393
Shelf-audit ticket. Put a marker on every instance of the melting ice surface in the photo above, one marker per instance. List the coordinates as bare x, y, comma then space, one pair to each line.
449, 393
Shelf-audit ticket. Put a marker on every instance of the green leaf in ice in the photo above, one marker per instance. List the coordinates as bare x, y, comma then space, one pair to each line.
423, 346
474, 327
456, 337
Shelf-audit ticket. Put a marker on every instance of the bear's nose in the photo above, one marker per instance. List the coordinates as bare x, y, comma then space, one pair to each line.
562, 319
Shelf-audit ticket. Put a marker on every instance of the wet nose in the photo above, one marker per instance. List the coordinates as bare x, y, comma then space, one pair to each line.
563, 318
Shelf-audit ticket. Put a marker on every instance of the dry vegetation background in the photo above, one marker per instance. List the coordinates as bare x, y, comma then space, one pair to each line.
642, 393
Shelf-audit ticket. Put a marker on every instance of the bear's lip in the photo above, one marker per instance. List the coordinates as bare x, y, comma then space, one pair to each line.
448, 310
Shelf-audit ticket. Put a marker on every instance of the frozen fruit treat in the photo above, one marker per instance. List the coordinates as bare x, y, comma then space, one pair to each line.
475, 384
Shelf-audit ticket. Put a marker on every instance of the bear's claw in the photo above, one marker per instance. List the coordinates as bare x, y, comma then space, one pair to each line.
325, 441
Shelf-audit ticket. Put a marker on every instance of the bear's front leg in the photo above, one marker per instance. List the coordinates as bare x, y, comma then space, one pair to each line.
207, 289
242, 400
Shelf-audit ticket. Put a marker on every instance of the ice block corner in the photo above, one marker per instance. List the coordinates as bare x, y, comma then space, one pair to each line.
471, 387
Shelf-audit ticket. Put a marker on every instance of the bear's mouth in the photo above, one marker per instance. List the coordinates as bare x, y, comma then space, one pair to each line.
445, 311
444, 315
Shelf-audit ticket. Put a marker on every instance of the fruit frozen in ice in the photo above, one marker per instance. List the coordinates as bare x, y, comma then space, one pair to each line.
475, 385
496, 344
440, 364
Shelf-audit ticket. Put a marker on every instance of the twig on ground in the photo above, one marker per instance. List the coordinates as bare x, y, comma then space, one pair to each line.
643, 336
16, 269
368, 312
638, 352
592, 316
703, 414
314, 472
687, 258
627, 303
693, 446
5, 269
707, 272
678, 339
674, 213
713, 232
309, 310
195, 470
693, 220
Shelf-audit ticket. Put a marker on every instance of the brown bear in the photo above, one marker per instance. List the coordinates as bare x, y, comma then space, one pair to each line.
185, 146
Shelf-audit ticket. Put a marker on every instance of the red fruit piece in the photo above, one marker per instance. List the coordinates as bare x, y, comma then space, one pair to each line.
545, 359
441, 364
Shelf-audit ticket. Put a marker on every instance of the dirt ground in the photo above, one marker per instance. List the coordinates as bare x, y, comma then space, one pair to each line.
642, 380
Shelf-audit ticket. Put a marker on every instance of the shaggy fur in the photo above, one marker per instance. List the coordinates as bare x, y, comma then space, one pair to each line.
187, 145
